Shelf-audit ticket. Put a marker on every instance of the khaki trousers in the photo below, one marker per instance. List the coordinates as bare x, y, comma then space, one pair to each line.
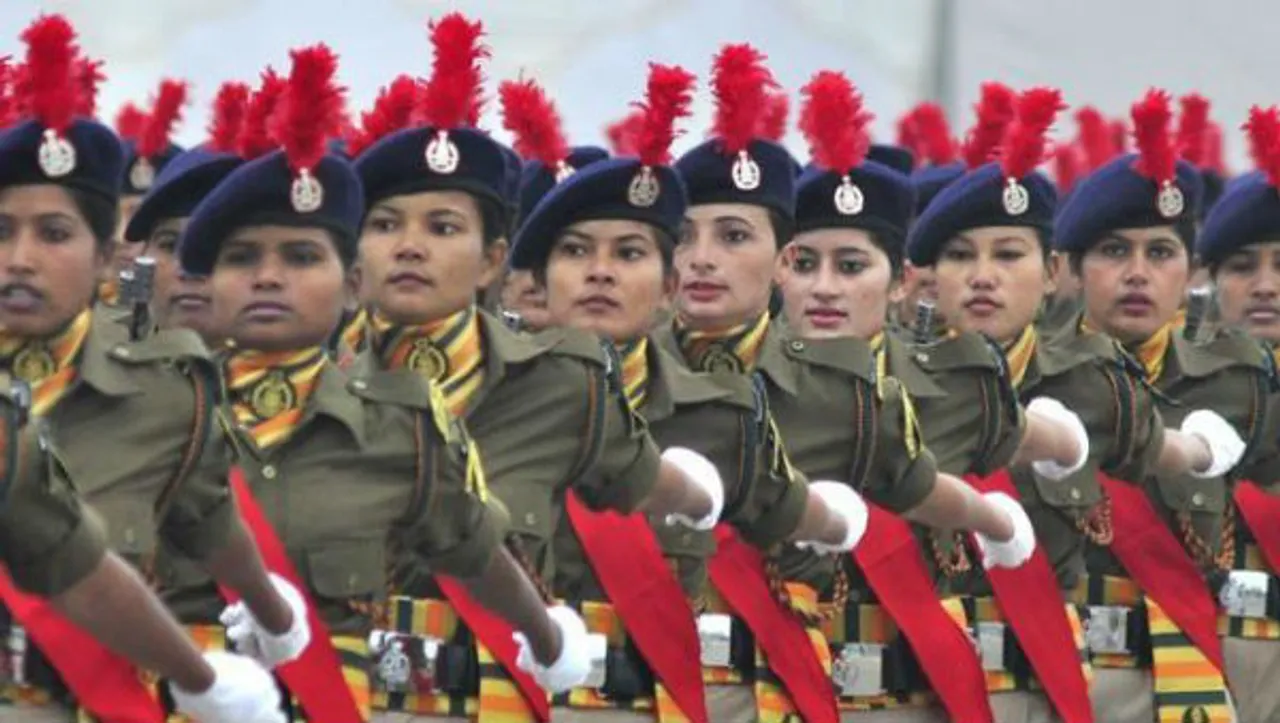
1026, 707
576, 715
905, 715
731, 703
36, 714
1120, 695
1253, 671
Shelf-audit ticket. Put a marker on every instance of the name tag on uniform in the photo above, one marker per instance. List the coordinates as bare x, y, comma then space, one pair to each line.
715, 633
991, 645
598, 654
404, 663
859, 670
1245, 594
1106, 630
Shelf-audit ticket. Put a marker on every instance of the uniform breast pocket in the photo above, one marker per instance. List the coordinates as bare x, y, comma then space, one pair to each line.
350, 570
680, 541
131, 526
1184, 493
530, 512
1077, 493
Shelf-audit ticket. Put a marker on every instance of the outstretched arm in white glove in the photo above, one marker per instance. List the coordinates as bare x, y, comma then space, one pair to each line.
258, 642
1205, 446
1003, 529
1055, 441
689, 490
242, 692
835, 519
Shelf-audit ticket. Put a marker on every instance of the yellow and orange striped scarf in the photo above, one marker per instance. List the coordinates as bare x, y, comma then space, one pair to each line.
269, 390
448, 352
1020, 353
1150, 353
48, 365
720, 350
635, 371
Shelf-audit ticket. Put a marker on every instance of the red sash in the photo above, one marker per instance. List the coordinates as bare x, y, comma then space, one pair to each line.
1261, 512
890, 558
737, 570
315, 678
1160, 566
105, 684
626, 559
1029, 599
496, 635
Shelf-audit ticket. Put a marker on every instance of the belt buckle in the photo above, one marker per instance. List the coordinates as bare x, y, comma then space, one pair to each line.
13, 664
715, 634
1106, 629
991, 645
859, 670
1245, 594
598, 654
404, 663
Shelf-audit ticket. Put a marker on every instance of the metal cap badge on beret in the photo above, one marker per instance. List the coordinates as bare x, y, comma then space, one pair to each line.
1009, 192
641, 189
301, 184
150, 149
1249, 210
447, 152
55, 140
739, 165
1149, 188
193, 174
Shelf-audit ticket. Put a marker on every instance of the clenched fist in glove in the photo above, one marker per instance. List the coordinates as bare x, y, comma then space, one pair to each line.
257, 642
574, 664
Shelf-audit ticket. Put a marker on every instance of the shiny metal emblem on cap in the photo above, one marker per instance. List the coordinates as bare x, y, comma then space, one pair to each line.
563, 171
1015, 198
56, 156
306, 193
142, 174
1170, 200
442, 155
644, 189
849, 199
746, 173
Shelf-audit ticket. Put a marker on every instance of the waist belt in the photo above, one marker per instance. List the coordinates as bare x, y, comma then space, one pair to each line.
27, 678
1117, 626
726, 660
426, 662
620, 678
1007, 666
1250, 600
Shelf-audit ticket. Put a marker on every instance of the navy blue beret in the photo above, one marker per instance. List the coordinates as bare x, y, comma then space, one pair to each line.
536, 180
1116, 196
1213, 186
261, 192
179, 188
978, 199
609, 189
415, 160
896, 157
141, 173
511, 177
768, 180
884, 202
1247, 213
930, 180
98, 158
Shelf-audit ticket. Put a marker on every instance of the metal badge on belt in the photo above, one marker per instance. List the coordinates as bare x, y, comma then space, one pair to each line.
1245, 594
859, 670
715, 633
404, 663
1106, 629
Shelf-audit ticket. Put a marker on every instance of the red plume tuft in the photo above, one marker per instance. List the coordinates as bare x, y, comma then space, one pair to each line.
532, 118
668, 94
1094, 138
1067, 166
1157, 157
1119, 136
230, 106
310, 109
1028, 135
453, 96
165, 114
1215, 158
624, 134
995, 110
1263, 129
1193, 124
909, 135
51, 91
773, 122
393, 110
834, 122
8, 78
255, 139
130, 120
740, 83
935, 134
89, 76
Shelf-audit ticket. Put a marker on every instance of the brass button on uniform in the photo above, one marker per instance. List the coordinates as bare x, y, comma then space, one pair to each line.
269, 471
530, 519
797, 346
359, 385
1075, 494
1197, 499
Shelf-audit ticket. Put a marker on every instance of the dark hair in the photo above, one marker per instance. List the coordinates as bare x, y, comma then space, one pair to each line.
1185, 230
495, 220
100, 213
784, 228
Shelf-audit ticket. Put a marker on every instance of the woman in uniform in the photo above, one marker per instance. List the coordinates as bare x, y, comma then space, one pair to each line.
1240, 247
133, 418
352, 474
1127, 232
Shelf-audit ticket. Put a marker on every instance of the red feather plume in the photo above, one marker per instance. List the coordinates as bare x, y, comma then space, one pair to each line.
532, 118
130, 120
624, 134
230, 106
393, 110
740, 83
668, 94
255, 139
995, 110
1094, 137
453, 96
1263, 129
1024, 146
1193, 124
1067, 166
1119, 136
1157, 155
1215, 158
935, 134
909, 135
310, 109
165, 114
89, 76
50, 89
834, 122
8, 104
773, 121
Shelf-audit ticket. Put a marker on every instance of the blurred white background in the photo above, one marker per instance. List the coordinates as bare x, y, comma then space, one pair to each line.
592, 54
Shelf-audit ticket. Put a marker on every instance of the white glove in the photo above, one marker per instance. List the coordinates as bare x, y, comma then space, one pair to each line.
703, 474
1017, 549
574, 664
844, 501
1225, 445
1054, 410
253, 640
242, 692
